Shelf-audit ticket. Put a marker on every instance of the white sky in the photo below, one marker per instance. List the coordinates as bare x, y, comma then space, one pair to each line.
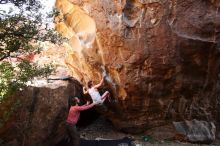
47, 4
47, 7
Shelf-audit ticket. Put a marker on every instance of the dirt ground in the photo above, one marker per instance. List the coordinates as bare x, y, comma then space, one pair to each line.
102, 129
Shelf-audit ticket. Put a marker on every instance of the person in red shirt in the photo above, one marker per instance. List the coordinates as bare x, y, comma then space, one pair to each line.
72, 119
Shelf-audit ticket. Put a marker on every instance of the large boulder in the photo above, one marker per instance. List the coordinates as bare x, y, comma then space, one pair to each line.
161, 57
37, 114
196, 131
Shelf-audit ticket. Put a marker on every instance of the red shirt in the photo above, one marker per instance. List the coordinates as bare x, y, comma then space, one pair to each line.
74, 112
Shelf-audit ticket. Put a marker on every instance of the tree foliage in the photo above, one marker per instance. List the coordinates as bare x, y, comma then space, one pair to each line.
18, 2
20, 35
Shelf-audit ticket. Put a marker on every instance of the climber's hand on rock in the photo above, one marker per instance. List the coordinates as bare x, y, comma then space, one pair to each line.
88, 102
104, 77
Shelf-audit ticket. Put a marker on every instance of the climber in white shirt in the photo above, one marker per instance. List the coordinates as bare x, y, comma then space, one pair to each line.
94, 93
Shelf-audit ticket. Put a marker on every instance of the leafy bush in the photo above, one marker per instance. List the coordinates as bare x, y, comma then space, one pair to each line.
20, 35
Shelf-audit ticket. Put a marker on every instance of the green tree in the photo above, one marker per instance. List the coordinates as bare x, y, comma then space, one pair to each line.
20, 35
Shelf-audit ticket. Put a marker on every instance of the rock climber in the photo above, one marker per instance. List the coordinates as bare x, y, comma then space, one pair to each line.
72, 119
94, 93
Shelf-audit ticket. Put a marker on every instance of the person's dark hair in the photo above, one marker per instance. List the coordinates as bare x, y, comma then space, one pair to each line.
89, 84
74, 101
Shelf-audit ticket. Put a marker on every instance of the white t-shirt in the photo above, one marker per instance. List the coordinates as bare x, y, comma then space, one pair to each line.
96, 97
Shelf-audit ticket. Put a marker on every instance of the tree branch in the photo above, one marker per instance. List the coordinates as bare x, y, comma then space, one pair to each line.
5, 56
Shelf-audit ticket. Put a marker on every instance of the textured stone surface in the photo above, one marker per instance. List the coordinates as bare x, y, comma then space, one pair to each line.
40, 118
161, 57
197, 131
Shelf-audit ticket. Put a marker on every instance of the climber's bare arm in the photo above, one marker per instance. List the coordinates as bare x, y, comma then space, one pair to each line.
85, 91
100, 83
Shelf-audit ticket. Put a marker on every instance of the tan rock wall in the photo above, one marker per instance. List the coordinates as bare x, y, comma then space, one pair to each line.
161, 56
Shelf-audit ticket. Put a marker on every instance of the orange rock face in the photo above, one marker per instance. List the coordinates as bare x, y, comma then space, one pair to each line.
161, 57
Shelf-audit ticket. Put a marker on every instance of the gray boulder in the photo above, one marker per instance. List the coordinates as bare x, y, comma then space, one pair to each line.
196, 131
